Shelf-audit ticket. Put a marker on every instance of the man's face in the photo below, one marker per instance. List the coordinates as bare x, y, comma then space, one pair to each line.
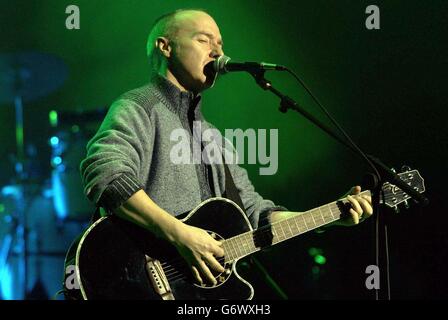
196, 43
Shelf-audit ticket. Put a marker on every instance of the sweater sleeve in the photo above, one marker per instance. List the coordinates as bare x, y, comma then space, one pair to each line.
111, 169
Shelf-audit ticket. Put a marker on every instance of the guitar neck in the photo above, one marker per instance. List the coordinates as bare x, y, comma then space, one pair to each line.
252, 241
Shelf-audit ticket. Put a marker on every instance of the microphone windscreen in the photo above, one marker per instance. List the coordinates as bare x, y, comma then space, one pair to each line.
220, 64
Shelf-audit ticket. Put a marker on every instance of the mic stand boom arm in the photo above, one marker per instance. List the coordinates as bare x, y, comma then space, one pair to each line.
386, 173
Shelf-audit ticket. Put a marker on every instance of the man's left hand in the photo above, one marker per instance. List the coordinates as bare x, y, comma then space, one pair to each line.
361, 207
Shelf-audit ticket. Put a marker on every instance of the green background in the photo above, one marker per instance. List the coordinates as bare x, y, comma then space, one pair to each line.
385, 87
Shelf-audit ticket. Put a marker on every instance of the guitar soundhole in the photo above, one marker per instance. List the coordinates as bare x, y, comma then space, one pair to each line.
220, 277
176, 269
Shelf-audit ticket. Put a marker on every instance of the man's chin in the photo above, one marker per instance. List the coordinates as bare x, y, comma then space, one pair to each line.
204, 83
210, 82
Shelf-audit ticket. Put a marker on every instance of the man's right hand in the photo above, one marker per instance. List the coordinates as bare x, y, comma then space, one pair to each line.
195, 245
200, 251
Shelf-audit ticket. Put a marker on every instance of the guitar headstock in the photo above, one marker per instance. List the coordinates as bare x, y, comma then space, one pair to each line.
393, 196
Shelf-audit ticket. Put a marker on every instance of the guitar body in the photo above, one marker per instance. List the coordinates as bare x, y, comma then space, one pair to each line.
112, 258
116, 259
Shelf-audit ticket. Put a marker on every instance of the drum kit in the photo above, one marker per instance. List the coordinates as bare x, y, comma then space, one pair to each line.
38, 220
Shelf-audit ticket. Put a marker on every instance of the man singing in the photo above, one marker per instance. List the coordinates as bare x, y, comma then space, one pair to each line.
128, 170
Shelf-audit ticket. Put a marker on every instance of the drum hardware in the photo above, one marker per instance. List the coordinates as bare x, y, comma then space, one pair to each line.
25, 77
71, 132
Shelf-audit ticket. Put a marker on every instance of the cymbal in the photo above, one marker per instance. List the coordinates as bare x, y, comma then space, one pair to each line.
30, 75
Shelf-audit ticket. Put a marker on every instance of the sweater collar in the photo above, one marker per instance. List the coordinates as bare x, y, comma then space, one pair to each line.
176, 100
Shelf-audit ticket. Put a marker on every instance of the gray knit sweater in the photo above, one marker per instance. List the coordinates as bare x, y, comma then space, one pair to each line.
131, 151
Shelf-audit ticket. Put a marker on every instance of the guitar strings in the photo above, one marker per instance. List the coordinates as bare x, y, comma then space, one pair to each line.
172, 273
169, 269
264, 231
260, 231
230, 250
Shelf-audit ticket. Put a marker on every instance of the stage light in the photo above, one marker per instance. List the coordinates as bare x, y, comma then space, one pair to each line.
53, 118
320, 259
54, 141
56, 161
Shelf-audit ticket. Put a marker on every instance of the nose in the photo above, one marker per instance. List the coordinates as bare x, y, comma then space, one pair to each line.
216, 52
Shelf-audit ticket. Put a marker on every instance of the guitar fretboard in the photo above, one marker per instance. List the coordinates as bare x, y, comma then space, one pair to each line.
252, 241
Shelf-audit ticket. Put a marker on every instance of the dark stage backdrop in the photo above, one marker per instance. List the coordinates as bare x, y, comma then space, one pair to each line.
386, 87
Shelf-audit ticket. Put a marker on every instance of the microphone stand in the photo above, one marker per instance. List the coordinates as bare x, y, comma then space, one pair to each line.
382, 172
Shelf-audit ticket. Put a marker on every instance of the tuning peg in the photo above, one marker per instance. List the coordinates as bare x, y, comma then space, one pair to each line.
396, 209
405, 168
406, 204
393, 170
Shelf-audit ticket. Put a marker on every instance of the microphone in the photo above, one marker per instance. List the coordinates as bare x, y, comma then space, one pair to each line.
223, 64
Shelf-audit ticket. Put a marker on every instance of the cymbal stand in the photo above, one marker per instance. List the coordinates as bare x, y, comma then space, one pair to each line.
20, 203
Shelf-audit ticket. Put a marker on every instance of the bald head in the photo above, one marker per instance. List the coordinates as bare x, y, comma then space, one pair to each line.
169, 26
185, 20
181, 44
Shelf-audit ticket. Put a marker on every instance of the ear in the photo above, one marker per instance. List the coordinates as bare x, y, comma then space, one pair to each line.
163, 44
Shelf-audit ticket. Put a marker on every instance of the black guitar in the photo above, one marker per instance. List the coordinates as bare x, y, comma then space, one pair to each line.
116, 259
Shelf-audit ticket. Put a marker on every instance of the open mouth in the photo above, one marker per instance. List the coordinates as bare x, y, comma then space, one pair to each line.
209, 70
210, 73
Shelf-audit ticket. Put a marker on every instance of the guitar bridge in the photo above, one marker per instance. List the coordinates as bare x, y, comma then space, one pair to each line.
158, 278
